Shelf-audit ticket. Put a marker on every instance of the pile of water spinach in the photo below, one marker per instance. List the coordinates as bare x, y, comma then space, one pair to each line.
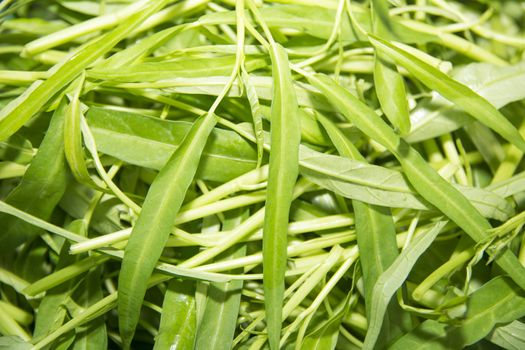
249, 174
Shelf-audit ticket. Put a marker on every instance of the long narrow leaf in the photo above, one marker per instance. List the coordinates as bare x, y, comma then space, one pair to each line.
219, 321
284, 168
452, 90
376, 237
177, 327
149, 142
42, 186
393, 277
153, 227
389, 84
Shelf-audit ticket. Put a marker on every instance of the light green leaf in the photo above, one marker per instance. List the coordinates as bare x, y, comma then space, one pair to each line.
149, 142
14, 343
179, 68
177, 328
386, 187
41, 188
219, 321
509, 187
393, 277
456, 92
155, 222
284, 168
500, 85
509, 336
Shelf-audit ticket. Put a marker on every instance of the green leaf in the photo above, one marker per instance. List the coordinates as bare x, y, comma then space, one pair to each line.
376, 236
357, 180
94, 335
509, 187
390, 90
160, 208
219, 321
178, 327
498, 301
500, 85
284, 168
41, 188
393, 277
14, 343
181, 67
389, 84
380, 14
456, 92
509, 336
376, 239
149, 142
385, 187
325, 336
